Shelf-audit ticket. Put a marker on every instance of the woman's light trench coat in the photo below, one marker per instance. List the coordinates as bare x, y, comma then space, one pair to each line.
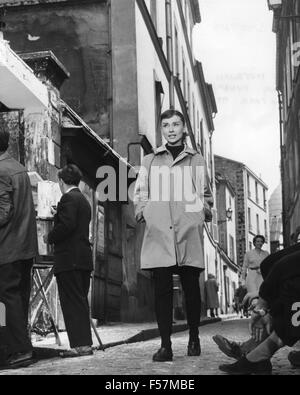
170, 197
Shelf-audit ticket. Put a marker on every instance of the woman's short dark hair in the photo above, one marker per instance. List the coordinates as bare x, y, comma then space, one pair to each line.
70, 174
172, 113
259, 237
4, 139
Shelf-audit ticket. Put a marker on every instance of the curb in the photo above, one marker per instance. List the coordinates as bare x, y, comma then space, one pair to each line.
145, 335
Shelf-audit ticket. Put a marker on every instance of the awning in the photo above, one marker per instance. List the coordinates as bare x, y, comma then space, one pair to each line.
19, 87
81, 145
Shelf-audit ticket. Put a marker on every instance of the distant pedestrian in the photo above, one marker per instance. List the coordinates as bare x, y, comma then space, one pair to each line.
18, 248
73, 260
173, 240
239, 296
212, 296
251, 269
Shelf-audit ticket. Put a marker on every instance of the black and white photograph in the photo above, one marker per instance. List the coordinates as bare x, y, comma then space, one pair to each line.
150, 190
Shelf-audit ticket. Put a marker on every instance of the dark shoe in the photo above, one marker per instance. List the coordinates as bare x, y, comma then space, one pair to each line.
230, 349
163, 355
194, 349
294, 358
20, 360
77, 352
245, 367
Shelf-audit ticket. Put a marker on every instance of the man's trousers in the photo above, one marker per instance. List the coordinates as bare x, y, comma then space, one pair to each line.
73, 289
15, 288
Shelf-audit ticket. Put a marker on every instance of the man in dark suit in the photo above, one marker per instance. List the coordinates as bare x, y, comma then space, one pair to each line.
18, 248
73, 260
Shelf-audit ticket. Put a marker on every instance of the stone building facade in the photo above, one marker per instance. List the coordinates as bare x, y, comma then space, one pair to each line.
230, 271
287, 30
45, 135
251, 215
128, 61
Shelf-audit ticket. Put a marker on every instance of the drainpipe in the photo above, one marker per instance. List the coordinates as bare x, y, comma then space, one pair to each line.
211, 160
110, 76
282, 151
170, 51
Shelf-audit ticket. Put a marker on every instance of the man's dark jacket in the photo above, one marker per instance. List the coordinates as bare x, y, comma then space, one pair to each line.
70, 235
18, 232
281, 289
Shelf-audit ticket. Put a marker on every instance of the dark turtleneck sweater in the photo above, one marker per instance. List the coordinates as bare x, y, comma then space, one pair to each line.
175, 150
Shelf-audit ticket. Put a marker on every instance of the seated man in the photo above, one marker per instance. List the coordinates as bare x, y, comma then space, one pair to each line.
276, 314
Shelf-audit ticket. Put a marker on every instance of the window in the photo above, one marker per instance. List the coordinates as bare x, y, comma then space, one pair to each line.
265, 200
266, 230
249, 220
202, 136
256, 192
198, 130
248, 186
176, 53
257, 224
194, 115
231, 248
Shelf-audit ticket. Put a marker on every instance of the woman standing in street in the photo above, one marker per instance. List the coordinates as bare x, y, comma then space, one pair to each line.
251, 274
170, 196
212, 296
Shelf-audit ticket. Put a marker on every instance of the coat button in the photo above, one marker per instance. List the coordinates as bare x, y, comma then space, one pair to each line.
171, 227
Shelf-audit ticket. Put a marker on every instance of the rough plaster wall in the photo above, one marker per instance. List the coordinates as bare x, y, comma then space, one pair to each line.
37, 127
78, 36
10, 121
124, 75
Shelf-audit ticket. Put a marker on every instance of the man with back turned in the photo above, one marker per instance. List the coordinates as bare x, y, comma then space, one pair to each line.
73, 260
18, 248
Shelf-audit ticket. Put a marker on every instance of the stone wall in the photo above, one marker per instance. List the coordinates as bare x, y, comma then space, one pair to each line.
79, 37
234, 172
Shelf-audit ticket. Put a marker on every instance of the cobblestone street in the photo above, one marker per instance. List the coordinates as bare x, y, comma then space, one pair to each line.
135, 359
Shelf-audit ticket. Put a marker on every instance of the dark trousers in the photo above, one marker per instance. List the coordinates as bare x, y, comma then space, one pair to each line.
73, 289
213, 313
15, 288
163, 286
